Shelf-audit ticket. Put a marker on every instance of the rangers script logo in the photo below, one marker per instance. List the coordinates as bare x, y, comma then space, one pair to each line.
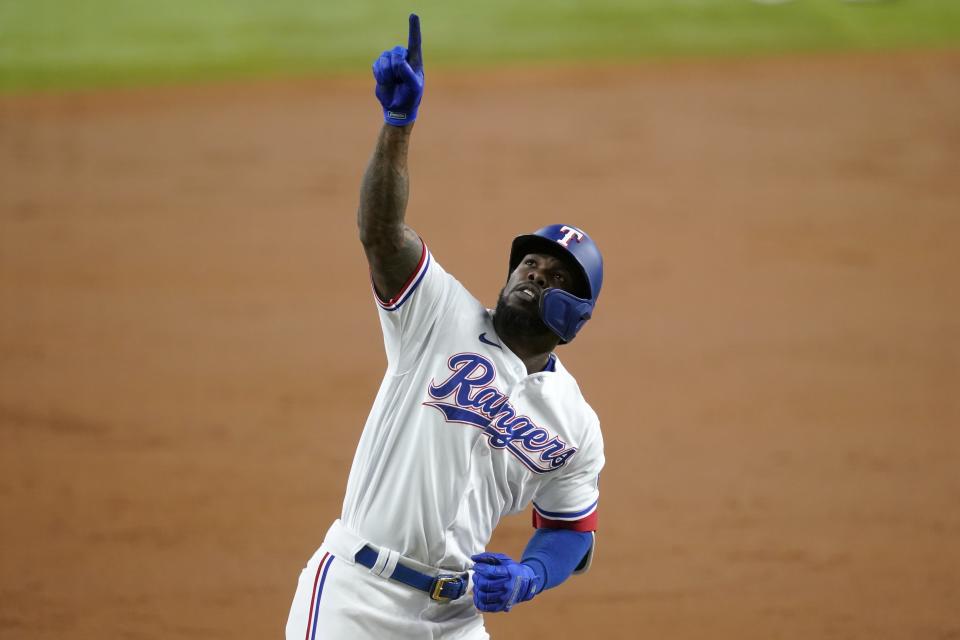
481, 405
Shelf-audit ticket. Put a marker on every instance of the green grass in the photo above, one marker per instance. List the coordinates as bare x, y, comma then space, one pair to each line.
66, 44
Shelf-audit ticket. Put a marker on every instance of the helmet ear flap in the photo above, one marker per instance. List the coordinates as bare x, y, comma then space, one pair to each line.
564, 313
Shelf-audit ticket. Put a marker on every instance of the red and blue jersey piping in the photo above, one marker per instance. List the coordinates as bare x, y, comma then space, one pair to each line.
582, 520
409, 287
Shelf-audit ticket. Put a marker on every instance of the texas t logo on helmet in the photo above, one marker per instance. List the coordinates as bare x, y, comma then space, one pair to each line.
564, 313
570, 233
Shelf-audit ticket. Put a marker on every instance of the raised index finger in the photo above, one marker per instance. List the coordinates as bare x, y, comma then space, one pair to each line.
414, 58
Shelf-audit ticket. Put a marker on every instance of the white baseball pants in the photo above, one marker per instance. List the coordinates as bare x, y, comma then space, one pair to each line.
337, 599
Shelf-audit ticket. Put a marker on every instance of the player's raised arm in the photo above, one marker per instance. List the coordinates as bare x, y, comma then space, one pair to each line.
393, 249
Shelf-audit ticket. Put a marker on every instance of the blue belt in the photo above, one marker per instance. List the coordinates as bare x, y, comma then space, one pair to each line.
443, 588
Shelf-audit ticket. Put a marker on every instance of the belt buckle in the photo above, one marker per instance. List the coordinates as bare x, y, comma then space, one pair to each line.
438, 587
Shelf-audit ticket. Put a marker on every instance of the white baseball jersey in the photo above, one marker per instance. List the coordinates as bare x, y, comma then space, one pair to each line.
460, 435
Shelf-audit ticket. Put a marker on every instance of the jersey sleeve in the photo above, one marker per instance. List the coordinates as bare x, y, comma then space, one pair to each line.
410, 318
570, 500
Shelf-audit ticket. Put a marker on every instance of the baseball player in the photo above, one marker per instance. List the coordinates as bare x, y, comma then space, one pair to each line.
475, 419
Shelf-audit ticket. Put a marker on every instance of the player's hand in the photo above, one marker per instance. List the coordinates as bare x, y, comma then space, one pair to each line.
399, 75
499, 582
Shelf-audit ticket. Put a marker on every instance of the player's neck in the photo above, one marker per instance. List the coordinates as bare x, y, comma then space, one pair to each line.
533, 352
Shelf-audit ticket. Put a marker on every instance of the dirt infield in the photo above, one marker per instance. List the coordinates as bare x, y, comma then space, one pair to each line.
188, 347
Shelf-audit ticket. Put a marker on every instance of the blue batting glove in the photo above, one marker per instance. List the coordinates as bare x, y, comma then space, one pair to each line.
499, 582
399, 75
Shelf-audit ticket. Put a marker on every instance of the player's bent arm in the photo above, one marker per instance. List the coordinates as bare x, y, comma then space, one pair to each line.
393, 249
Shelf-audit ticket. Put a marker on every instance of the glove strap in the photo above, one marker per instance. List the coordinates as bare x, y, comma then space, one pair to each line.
399, 118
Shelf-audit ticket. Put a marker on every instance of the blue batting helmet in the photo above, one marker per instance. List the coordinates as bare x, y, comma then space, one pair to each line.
564, 312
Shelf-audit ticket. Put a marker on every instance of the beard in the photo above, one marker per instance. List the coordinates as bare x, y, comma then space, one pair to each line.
521, 322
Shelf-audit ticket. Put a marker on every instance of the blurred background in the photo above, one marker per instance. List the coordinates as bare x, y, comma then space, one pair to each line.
52, 44
188, 346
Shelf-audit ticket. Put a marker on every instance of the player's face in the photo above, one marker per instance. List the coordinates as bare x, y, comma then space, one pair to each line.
536, 273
